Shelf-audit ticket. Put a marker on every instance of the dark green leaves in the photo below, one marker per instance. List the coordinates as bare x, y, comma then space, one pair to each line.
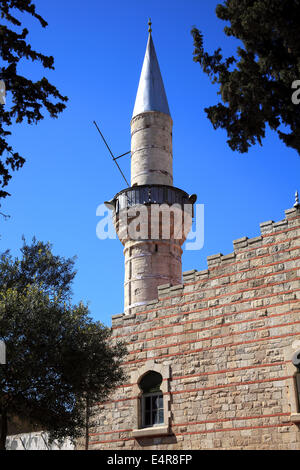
29, 99
57, 356
256, 84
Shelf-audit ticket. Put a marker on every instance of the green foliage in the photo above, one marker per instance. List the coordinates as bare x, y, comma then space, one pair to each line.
39, 267
256, 84
29, 98
57, 356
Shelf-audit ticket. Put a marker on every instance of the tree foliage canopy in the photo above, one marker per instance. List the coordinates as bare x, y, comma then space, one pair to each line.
57, 356
256, 84
28, 98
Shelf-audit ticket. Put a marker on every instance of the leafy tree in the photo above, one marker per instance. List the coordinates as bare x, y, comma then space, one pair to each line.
59, 361
28, 98
256, 84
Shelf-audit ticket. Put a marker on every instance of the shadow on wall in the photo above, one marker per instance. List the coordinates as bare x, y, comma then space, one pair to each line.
165, 440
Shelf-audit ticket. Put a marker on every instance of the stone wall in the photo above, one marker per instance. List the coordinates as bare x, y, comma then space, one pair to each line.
226, 336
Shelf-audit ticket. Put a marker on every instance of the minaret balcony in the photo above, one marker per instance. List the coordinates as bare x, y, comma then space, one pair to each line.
150, 194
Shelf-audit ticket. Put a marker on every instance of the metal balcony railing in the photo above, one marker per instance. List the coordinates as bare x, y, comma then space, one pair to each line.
150, 194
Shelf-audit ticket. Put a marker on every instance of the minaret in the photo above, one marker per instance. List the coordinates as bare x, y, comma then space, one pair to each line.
153, 251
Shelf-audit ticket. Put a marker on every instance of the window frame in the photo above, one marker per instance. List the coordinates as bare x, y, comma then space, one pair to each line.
137, 394
158, 394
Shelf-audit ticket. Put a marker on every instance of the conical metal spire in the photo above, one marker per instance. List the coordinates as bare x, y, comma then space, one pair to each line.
151, 95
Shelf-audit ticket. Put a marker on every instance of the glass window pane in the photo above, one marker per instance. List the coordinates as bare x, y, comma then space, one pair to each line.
147, 403
161, 402
155, 417
155, 400
152, 409
148, 419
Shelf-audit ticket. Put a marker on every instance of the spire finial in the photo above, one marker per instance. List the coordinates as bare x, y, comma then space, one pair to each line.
150, 24
297, 204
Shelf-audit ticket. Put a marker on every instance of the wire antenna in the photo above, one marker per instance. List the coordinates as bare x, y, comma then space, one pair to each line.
113, 157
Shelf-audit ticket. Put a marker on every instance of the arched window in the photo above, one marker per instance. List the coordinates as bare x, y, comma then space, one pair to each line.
151, 411
152, 404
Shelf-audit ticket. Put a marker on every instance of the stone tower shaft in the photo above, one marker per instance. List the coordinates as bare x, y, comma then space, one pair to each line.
151, 149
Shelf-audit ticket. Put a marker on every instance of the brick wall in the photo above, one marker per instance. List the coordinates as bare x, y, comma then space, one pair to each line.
227, 335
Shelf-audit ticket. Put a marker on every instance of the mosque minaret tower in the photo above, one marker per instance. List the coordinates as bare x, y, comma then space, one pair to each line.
153, 256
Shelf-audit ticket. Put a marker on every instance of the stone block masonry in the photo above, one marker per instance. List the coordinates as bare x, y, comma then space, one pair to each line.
226, 337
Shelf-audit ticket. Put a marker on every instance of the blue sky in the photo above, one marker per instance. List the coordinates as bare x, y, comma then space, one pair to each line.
99, 49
